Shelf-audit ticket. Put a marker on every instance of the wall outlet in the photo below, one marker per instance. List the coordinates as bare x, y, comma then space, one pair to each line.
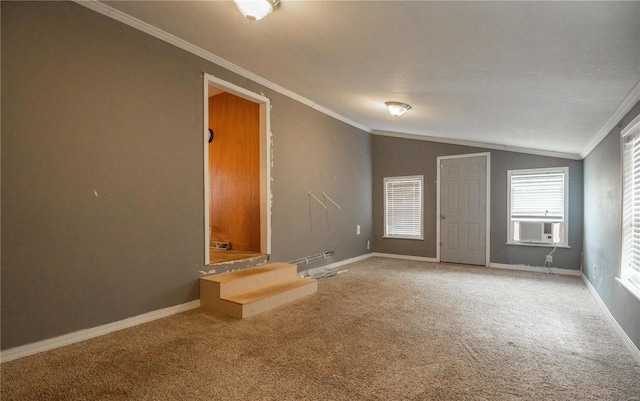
549, 259
357, 229
368, 245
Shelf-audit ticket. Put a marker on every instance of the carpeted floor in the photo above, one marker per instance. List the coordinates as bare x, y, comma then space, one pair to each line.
385, 330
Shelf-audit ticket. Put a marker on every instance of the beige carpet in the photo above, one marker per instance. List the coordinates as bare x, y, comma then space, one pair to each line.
385, 330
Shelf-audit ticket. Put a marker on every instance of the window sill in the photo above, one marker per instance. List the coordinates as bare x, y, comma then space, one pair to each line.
629, 286
538, 245
413, 238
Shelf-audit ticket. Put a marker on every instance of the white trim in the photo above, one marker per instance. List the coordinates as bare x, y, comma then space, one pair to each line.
488, 202
538, 245
82, 335
627, 103
631, 126
184, 45
95, 5
207, 181
633, 349
403, 257
633, 290
265, 159
536, 269
571, 156
565, 231
488, 234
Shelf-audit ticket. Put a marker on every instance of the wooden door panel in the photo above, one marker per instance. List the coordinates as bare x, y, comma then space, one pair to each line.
234, 167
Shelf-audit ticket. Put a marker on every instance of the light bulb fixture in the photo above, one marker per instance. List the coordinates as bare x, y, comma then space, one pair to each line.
397, 108
255, 10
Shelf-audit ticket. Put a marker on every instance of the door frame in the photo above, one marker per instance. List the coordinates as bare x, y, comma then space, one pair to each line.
265, 159
488, 206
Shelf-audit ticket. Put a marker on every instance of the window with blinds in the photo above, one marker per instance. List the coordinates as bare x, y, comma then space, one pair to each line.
630, 269
538, 206
403, 207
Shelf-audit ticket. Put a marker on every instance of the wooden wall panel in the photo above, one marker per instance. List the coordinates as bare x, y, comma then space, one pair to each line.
234, 167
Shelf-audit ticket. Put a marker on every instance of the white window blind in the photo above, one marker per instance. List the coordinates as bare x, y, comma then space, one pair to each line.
631, 204
403, 207
538, 196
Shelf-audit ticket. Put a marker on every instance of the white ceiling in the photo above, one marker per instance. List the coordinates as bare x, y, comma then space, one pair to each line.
537, 75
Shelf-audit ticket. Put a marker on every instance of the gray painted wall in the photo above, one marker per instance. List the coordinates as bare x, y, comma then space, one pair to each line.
603, 228
102, 182
399, 156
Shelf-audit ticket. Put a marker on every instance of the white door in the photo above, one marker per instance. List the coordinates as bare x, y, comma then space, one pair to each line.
463, 210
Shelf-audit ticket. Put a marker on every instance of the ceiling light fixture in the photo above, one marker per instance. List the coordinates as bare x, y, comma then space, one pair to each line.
397, 108
255, 10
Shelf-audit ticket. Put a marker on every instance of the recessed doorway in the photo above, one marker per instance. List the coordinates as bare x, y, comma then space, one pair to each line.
236, 171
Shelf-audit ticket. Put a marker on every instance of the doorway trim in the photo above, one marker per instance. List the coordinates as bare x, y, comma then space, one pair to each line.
265, 159
488, 205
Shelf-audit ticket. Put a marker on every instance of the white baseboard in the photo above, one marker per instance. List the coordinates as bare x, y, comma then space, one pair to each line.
537, 269
82, 335
404, 257
635, 352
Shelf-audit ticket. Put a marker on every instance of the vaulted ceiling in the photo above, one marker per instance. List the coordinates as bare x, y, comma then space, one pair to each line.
550, 76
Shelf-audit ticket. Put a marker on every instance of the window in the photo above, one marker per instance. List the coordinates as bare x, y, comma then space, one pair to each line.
630, 269
538, 206
403, 207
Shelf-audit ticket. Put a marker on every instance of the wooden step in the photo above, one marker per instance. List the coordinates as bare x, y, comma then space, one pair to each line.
244, 293
249, 279
260, 300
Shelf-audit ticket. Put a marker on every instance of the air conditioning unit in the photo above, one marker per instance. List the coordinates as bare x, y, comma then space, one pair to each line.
535, 232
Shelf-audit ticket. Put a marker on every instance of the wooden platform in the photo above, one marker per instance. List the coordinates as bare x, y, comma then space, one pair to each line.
246, 292
223, 256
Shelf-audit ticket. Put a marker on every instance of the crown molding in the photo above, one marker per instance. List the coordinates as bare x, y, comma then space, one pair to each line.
571, 156
126, 19
95, 5
629, 101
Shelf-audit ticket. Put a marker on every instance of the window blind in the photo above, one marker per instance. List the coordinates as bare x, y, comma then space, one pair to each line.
403, 207
633, 186
538, 196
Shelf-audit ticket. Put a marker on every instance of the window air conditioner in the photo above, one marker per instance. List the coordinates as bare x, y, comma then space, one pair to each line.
536, 232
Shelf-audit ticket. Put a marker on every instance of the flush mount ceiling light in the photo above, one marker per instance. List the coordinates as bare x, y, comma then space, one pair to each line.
255, 10
397, 108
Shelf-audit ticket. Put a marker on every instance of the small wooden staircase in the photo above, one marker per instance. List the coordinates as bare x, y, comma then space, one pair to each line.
247, 292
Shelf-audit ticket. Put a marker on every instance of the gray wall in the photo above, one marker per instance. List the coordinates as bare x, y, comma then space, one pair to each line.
102, 182
398, 156
603, 228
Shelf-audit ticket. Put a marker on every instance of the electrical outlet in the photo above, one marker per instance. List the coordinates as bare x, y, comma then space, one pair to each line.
549, 259
357, 229
368, 245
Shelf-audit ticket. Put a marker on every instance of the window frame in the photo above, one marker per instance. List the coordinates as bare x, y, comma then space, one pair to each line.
386, 180
629, 276
564, 240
